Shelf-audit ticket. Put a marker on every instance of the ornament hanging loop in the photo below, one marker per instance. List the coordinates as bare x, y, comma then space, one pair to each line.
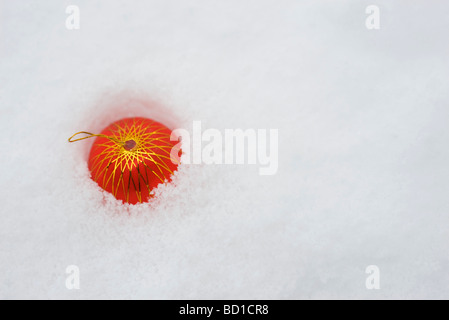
90, 135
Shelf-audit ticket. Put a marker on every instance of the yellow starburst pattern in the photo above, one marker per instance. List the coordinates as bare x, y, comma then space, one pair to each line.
131, 157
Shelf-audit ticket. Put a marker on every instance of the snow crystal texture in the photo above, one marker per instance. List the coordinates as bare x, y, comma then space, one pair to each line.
363, 173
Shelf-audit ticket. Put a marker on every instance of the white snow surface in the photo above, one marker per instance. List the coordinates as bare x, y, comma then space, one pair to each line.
363, 173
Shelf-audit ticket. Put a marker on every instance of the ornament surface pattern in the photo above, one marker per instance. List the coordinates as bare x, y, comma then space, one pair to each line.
130, 169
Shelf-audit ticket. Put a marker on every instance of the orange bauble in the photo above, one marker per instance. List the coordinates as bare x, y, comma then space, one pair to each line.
131, 157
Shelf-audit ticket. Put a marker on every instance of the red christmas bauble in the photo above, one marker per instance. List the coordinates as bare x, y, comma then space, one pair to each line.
131, 157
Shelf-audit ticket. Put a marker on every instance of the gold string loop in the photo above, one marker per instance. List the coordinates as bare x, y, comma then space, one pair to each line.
90, 135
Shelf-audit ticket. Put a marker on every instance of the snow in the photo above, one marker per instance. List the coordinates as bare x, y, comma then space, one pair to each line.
363, 174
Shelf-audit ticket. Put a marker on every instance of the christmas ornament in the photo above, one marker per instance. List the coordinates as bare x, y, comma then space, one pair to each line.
131, 157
